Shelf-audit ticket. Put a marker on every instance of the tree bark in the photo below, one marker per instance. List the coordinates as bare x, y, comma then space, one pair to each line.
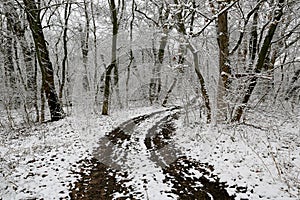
10, 79
96, 82
224, 67
18, 29
202, 83
182, 30
261, 59
85, 48
105, 105
67, 13
155, 81
115, 22
33, 16
169, 92
131, 58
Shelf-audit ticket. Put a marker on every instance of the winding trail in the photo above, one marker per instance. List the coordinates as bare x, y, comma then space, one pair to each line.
138, 160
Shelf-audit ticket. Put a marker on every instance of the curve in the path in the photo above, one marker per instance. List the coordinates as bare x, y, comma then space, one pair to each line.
134, 160
190, 178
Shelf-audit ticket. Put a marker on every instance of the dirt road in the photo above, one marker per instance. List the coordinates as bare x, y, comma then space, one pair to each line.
138, 160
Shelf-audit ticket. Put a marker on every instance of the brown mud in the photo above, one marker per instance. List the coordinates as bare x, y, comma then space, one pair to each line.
188, 178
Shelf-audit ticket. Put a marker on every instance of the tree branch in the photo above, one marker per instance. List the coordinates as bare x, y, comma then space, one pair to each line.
214, 18
145, 15
246, 22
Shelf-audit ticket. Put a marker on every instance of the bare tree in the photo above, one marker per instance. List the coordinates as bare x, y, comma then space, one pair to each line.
67, 13
155, 81
33, 16
10, 79
181, 27
262, 55
131, 58
115, 19
85, 32
224, 66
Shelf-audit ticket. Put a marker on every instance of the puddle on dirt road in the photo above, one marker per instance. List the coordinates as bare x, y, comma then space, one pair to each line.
145, 156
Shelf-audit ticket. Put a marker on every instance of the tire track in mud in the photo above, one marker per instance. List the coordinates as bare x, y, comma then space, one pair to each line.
98, 175
135, 161
190, 178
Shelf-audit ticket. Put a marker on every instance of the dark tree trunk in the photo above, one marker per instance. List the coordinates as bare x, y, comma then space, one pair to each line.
131, 58
33, 16
224, 68
261, 59
65, 47
18, 29
10, 80
182, 30
115, 22
36, 89
253, 42
204, 92
155, 81
292, 86
106, 90
223, 42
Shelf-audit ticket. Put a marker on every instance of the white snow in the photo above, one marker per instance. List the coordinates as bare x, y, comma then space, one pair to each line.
38, 162
250, 157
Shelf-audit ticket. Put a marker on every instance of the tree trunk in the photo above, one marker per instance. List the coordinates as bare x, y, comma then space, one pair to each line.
202, 83
292, 88
253, 42
182, 30
67, 13
155, 82
224, 68
114, 62
130, 53
169, 92
106, 90
261, 59
181, 60
96, 82
18, 29
85, 48
10, 80
115, 23
33, 16
37, 119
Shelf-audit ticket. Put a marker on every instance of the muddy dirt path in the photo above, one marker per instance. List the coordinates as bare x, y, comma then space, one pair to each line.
138, 160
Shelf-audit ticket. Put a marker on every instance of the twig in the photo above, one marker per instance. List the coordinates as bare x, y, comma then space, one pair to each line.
214, 18
254, 126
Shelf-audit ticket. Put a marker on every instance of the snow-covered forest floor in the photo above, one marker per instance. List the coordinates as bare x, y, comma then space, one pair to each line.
262, 155
260, 159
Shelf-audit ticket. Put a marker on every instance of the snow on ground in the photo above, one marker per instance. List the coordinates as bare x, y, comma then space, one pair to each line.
264, 162
38, 162
146, 177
